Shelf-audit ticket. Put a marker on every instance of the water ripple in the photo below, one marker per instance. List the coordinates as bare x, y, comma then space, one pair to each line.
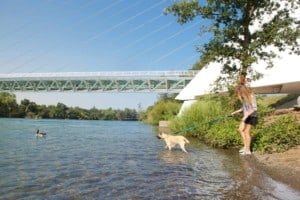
105, 160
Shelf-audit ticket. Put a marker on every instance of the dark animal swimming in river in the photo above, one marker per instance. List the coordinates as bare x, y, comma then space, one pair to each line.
40, 134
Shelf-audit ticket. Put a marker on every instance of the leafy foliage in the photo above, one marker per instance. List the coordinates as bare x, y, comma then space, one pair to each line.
165, 108
243, 31
28, 109
278, 136
8, 105
224, 134
200, 115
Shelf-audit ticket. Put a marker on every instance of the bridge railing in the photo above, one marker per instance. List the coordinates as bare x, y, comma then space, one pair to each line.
136, 81
108, 74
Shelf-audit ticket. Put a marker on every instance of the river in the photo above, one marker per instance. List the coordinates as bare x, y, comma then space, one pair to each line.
121, 160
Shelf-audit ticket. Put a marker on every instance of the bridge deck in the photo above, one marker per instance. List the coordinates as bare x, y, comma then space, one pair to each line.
137, 81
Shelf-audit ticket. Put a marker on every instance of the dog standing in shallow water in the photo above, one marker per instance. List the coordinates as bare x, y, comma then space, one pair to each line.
173, 140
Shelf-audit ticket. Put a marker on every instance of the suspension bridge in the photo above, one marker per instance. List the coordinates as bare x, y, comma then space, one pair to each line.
118, 81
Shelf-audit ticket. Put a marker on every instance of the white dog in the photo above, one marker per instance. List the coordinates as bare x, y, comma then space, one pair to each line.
172, 140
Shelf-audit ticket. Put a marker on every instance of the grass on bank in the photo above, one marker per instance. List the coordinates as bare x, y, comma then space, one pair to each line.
276, 136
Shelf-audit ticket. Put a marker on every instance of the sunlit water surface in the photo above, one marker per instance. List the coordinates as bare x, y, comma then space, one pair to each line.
120, 160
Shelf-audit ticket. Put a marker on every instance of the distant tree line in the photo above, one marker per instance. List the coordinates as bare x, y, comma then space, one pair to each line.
28, 109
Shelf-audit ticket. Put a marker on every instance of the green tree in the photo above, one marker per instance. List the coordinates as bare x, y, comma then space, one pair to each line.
43, 111
109, 114
73, 113
25, 104
8, 105
130, 114
60, 111
165, 108
10, 108
29, 108
94, 114
242, 31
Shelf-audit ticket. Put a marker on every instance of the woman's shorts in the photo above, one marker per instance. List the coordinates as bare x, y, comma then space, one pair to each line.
252, 120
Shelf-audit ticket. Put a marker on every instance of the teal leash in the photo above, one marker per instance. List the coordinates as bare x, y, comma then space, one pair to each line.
213, 121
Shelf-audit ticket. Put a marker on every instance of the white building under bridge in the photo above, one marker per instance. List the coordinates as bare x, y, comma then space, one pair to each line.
283, 78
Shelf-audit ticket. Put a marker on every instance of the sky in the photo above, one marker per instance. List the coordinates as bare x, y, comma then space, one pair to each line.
92, 36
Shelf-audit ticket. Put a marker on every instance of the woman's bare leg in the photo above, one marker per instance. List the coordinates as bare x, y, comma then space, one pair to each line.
242, 132
247, 137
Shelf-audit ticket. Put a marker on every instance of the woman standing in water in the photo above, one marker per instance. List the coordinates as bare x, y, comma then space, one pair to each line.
249, 119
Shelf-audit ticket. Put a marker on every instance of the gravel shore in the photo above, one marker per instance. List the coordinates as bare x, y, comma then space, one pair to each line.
284, 167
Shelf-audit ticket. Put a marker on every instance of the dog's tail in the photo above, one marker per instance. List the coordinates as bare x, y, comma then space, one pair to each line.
186, 140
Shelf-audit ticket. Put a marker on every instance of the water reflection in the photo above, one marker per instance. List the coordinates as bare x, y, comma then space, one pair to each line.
173, 157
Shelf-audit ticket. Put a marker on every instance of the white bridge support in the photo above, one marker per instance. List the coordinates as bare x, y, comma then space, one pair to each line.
136, 81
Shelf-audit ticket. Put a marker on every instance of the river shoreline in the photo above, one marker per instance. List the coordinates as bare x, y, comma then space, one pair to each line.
283, 167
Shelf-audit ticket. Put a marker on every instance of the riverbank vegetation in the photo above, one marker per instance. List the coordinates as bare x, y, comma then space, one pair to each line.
28, 109
210, 124
165, 108
208, 121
